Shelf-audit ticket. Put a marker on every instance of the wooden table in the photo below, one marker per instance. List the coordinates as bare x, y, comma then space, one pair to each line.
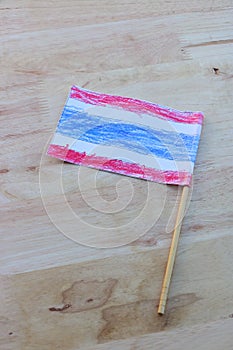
56, 293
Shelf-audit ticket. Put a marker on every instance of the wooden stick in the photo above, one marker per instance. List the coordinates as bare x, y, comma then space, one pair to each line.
172, 252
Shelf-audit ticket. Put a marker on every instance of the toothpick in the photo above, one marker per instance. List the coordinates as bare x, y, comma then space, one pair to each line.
172, 252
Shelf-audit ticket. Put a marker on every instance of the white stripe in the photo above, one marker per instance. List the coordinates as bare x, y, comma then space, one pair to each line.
122, 154
134, 118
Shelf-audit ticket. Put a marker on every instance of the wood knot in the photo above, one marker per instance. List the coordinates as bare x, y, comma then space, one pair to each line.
216, 70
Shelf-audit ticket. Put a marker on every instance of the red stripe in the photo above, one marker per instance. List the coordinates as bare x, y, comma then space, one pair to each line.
118, 166
137, 106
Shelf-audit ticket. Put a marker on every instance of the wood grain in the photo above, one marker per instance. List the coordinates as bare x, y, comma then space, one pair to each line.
57, 293
218, 335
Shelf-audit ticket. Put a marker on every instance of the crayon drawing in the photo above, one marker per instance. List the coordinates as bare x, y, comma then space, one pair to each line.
127, 136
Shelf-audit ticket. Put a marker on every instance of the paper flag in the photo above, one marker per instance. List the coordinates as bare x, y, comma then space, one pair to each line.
127, 136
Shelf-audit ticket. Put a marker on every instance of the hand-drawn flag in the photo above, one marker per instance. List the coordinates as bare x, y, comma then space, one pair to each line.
127, 136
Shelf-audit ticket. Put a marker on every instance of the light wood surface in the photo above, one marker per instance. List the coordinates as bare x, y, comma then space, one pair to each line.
215, 336
56, 293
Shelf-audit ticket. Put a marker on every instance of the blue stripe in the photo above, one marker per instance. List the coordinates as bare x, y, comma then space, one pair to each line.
142, 139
